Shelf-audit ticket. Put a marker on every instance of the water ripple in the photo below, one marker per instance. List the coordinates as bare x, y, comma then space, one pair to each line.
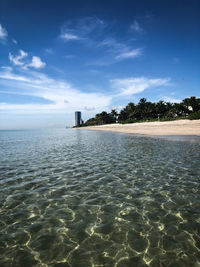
78, 198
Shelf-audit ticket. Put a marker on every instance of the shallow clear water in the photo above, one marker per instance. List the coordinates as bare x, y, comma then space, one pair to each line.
85, 198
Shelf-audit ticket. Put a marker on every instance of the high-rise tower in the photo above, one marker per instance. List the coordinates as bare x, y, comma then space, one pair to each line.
78, 120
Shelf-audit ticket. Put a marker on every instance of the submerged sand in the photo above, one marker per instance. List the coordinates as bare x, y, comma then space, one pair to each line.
168, 128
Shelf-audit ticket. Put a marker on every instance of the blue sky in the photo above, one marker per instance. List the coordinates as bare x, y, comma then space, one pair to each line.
57, 57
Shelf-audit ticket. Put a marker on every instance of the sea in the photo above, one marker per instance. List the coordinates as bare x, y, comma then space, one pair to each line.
71, 197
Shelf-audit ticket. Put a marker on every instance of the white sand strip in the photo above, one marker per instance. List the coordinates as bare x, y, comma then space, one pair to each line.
178, 127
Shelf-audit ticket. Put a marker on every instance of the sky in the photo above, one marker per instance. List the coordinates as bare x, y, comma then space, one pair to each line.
57, 57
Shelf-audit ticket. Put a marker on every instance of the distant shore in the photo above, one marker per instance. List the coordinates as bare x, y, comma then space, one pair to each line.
167, 128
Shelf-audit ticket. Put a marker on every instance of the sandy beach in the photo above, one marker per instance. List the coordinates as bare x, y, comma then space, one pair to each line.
168, 128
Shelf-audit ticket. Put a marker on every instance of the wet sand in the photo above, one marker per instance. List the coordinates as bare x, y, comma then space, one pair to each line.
180, 129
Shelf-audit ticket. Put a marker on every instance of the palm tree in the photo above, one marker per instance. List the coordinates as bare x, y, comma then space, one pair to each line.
192, 102
114, 115
161, 109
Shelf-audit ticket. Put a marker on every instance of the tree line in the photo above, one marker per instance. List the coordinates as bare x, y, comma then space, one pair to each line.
149, 111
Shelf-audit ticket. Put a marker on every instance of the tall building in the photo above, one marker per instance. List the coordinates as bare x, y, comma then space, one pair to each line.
78, 120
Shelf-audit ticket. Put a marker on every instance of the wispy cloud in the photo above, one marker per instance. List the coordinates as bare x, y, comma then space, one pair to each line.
130, 54
7, 68
49, 51
135, 26
135, 85
69, 37
8, 75
171, 99
112, 44
95, 33
14, 41
118, 108
69, 56
82, 29
3, 33
63, 97
116, 51
18, 60
89, 109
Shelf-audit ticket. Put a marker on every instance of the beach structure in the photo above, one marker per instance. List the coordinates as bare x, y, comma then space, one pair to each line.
78, 120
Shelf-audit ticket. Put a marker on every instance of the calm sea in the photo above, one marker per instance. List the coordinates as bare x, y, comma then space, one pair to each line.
85, 198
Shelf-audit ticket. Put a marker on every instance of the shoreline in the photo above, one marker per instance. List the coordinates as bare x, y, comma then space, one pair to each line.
185, 130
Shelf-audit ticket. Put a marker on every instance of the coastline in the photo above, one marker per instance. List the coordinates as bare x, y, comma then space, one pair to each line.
175, 130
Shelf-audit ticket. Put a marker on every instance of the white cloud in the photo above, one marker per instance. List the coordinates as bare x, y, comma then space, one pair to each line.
115, 51
14, 41
7, 75
8, 68
36, 63
3, 33
89, 109
17, 60
136, 27
92, 32
69, 56
49, 51
130, 54
134, 85
118, 108
63, 97
86, 29
171, 99
113, 44
69, 37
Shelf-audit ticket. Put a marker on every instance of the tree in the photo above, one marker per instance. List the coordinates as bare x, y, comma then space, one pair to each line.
140, 109
192, 102
104, 118
114, 115
148, 110
161, 109
145, 109
123, 115
177, 110
130, 110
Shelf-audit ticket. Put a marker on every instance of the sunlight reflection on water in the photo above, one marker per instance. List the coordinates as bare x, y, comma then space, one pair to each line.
84, 198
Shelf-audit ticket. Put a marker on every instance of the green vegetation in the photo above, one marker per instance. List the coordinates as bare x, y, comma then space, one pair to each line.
194, 115
149, 111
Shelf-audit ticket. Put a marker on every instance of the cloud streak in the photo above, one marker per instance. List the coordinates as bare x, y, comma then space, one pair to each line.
69, 37
134, 53
116, 52
135, 26
63, 97
3, 33
92, 32
135, 85
171, 99
14, 41
85, 29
